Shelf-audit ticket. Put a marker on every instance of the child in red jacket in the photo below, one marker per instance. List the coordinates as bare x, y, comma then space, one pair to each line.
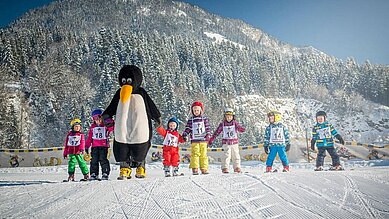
171, 157
74, 148
98, 139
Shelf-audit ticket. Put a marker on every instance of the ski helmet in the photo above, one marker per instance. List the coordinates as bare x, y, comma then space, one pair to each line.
277, 115
173, 119
74, 122
97, 112
321, 113
229, 111
200, 104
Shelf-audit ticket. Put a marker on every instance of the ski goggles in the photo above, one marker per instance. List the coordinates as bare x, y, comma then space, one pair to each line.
96, 117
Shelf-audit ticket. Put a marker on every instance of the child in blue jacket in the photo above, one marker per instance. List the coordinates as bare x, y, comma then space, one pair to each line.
323, 134
276, 141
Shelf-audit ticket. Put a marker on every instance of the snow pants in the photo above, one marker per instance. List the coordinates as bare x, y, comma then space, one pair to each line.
171, 157
77, 158
231, 151
198, 156
99, 156
322, 154
281, 153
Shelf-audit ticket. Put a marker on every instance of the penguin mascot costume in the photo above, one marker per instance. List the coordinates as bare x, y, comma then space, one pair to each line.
133, 110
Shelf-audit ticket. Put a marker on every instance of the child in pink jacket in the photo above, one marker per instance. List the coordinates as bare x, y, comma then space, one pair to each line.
74, 148
98, 139
230, 128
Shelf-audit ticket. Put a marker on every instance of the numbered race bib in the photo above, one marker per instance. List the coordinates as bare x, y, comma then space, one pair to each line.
324, 133
170, 140
74, 141
277, 135
229, 132
99, 133
198, 130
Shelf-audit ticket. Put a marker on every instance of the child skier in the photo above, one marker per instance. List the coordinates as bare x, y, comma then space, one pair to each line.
98, 139
276, 141
198, 129
74, 148
171, 157
323, 134
230, 128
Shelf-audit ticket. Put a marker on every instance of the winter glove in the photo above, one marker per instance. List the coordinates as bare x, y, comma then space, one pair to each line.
210, 141
267, 149
341, 141
108, 121
287, 147
207, 138
158, 122
313, 144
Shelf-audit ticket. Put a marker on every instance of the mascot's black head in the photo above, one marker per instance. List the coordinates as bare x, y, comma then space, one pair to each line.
130, 75
130, 79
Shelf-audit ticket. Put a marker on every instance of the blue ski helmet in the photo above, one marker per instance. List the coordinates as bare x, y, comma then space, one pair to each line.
97, 112
173, 119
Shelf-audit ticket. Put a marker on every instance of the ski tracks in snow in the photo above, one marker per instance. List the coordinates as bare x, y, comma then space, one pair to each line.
299, 194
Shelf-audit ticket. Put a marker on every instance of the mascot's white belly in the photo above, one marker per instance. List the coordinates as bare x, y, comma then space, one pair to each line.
131, 124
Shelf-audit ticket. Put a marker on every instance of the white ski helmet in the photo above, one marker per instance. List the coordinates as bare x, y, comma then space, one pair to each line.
229, 111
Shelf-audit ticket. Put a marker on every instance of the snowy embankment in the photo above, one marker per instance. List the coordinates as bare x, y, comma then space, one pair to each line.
361, 191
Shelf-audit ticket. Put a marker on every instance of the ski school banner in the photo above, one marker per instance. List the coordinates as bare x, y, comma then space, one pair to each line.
54, 156
35, 157
247, 153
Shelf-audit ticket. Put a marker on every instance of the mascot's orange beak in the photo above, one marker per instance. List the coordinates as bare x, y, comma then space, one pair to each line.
125, 93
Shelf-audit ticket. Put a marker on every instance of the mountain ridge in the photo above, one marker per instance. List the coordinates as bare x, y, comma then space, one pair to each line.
72, 45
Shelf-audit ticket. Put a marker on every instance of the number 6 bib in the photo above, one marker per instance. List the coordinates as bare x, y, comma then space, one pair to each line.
229, 132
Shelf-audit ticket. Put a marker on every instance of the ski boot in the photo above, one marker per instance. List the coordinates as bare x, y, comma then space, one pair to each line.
237, 170
104, 176
195, 171
319, 168
86, 177
167, 171
125, 173
204, 171
70, 178
336, 168
93, 176
140, 172
225, 170
175, 171
286, 169
339, 167
269, 169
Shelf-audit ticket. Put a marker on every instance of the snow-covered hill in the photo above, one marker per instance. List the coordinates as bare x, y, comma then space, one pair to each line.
65, 58
359, 192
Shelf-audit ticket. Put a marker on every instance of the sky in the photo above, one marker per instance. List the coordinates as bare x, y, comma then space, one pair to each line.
341, 28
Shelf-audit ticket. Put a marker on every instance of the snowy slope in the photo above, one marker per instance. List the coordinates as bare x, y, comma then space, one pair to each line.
360, 192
